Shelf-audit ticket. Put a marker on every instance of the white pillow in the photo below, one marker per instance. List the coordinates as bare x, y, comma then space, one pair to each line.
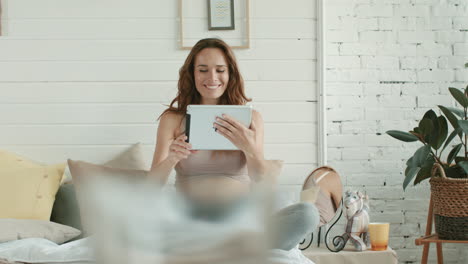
131, 158
16, 229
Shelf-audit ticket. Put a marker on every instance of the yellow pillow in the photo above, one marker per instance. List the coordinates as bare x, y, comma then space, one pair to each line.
27, 188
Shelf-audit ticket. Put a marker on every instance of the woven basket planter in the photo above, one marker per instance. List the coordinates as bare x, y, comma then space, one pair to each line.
450, 205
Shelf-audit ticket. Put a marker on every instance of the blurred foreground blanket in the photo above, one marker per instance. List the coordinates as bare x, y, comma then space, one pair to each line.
141, 224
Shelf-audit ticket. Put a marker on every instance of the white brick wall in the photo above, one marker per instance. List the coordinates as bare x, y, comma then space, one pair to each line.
410, 52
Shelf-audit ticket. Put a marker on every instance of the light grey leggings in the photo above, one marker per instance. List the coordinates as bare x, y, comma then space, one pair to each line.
289, 225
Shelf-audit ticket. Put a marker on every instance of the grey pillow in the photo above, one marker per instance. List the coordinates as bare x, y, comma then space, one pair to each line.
66, 210
15, 229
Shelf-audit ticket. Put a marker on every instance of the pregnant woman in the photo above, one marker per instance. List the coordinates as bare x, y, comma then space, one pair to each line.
210, 76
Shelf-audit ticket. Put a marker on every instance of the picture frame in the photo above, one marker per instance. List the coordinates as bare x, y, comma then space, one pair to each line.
193, 25
221, 15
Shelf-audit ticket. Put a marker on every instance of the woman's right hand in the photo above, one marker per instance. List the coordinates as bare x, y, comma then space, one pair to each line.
179, 149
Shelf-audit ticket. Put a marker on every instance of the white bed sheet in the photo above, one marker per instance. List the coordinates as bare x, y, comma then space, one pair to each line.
41, 251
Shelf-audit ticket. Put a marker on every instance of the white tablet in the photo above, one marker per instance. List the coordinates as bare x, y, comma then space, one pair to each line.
199, 125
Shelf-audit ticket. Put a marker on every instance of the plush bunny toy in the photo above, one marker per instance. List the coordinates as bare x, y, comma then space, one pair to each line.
356, 207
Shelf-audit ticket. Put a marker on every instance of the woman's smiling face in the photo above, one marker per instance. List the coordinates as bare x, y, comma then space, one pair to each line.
211, 75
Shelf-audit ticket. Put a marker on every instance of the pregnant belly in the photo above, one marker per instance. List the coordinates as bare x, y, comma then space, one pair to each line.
213, 188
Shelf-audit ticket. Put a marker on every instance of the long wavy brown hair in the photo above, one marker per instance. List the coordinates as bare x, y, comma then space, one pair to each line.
187, 92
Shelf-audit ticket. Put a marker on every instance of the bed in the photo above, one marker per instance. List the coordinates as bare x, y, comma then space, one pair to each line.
51, 231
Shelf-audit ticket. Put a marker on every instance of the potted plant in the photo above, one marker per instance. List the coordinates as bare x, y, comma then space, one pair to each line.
448, 174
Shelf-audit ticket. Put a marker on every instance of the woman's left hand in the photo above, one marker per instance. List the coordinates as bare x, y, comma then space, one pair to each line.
242, 137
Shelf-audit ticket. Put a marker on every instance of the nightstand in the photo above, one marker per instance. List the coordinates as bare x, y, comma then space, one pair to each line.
350, 256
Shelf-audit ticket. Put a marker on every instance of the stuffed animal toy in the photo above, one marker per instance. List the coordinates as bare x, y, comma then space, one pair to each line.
356, 209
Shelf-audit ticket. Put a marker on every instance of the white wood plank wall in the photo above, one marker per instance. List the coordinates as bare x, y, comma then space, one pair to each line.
85, 79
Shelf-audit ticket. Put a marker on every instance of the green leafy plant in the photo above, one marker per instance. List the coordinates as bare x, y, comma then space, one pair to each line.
432, 132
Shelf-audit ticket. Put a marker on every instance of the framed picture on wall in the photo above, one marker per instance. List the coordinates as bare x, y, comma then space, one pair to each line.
201, 21
221, 14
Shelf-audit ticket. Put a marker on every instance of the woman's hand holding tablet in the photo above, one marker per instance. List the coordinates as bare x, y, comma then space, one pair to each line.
203, 134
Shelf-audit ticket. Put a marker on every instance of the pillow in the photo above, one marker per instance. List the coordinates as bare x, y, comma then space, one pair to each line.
27, 188
84, 172
66, 209
15, 229
274, 168
85, 175
131, 158
270, 172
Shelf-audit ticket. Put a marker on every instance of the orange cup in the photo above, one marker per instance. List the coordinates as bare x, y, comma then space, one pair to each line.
378, 233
